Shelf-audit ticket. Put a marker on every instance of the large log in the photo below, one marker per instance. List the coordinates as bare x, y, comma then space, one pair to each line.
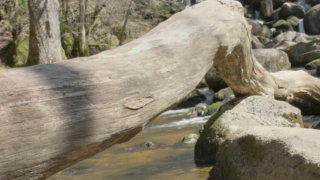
55, 115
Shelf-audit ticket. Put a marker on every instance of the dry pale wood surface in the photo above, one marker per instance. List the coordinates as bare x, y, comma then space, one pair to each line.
53, 116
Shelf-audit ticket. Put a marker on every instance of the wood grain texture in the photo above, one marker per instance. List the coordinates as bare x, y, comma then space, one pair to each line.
57, 114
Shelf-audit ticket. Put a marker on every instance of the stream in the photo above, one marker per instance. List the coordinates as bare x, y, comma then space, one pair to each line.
155, 153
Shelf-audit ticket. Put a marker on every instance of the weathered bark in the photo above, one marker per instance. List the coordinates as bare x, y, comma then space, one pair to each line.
55, 115
82, 28
238, 68
45, 41
123, 29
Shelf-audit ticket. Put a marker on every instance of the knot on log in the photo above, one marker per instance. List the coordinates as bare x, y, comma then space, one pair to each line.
136, 103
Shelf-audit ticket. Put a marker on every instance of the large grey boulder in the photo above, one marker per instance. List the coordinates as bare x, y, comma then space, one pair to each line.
270, 153
291, 9
312, 20
259, 138
304, 52
240, 115
272, 60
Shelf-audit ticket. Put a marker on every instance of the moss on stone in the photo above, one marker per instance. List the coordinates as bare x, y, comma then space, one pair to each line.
207, 145
293, 21
294, 119
213, 108
211, 137
227, 169
253, 151
282, 24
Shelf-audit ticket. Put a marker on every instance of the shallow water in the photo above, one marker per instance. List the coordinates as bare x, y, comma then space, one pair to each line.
167, 159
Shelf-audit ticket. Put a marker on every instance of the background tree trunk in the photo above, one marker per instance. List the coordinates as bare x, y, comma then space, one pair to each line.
65, 10
55, 115
82, 29
45, 41
123, 29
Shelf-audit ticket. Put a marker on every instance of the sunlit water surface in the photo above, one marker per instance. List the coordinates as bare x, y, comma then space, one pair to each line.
167, 159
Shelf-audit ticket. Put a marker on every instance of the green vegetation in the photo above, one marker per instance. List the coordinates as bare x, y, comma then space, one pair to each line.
18, 53
213, 108
104, 21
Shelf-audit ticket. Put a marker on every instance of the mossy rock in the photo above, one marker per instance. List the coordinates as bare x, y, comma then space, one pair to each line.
190, 139
237, 115
213, 108
293, 21
17, 54
283, 25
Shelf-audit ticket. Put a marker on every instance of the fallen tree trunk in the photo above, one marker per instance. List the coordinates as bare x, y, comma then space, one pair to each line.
55, 115
237, 66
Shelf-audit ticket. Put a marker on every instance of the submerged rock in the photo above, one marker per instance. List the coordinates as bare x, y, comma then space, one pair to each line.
198, 111
190, 138
149, 144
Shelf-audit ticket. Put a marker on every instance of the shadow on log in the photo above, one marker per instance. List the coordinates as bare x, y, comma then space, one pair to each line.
55, 115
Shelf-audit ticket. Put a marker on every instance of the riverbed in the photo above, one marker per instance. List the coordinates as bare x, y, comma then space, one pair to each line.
156, 153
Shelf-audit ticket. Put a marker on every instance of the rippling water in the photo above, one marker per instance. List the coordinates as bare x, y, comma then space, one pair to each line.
167, 158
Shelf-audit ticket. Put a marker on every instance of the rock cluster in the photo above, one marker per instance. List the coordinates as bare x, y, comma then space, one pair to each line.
258, 138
